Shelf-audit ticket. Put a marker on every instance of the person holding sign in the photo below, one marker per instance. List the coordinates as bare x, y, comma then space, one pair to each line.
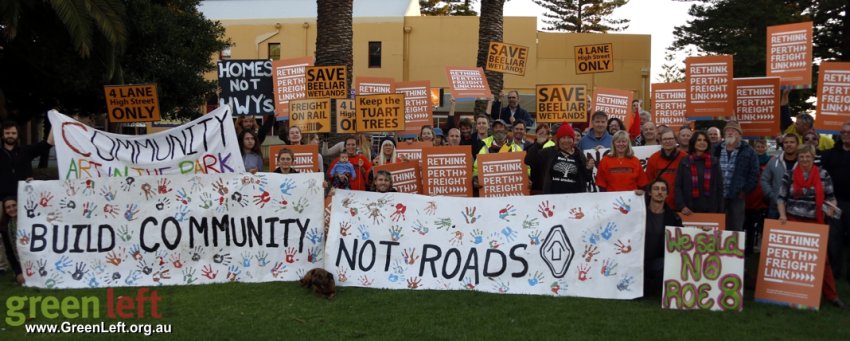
565, 169
836, 161
383, 182
387, 154
16, 159
807, 195
699, 184
804, 124
497, 143
284, 162
296, 139
665, 162
658, 216
512, 113
252, 156
621, 170
8, 226
360, 163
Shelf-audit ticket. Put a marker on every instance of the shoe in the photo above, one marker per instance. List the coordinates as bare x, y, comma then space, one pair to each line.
838, 303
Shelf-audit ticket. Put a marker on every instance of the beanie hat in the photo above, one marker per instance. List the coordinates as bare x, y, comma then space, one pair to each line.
565, 130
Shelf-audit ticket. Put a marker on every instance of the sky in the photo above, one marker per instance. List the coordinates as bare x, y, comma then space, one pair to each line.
653, 17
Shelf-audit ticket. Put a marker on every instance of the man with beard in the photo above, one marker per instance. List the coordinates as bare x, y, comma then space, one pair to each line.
497, 143
513, 113
740, 170
16, 160
518, 131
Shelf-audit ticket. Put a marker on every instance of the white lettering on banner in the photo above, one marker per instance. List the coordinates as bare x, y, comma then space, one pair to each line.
175, 230
563, 245
206, 145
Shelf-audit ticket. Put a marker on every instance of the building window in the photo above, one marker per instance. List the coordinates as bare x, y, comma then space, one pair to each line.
374, 54
274, 51
225, 53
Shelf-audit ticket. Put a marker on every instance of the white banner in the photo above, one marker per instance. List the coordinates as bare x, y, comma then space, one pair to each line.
206, 145
642, 153
588, 245
175, 230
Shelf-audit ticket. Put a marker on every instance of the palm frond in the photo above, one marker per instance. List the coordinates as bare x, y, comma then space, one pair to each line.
109, 16
78, 23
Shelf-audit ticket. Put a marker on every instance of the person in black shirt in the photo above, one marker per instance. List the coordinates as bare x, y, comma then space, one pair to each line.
658, 217
565, 168
16, 160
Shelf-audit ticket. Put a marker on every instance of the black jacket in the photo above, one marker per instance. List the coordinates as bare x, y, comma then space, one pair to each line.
16, 165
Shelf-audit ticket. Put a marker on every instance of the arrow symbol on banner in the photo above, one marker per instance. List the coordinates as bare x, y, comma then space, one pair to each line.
312, 126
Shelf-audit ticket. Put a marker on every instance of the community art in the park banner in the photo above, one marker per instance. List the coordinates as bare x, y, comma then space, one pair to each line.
642, 153
306, 157
563, 245
290, 83
507, 58
131, 103
757, 105
411, 151
703, 269
789, 54
406, 177
468, 82
380, 113
418, 110
594, 58
174, 230
669, 102
447, 171
561, 103
206, 145
311, 115
833, 108
617, 103
345, 116
711, 91
791, 264
704, 221
502, 174
373, 85
326, 81
246, 86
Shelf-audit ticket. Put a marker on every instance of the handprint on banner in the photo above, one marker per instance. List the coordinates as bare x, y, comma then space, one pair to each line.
233, 272
501, 287
608, 231
343, 228
469, 215
583, 269
300, 274
375, 214
246, 180
546, 210
162, 204
108, 193
509, 234
622, 206
507, 212
54, 280
589, 252
183, 197
342, 275
131, 211
111, 211
623, 248
45, 198
23, 237
30, 208
365, 281
290, 255
160, 256
222, 258
457, 238
189, 275
182, 213
534, 237
135, 252
147, 191
591, 237
89, 189
196, 255
625, 283
530, 223
395, 233
67, 204
608, 267
414, 282
400, 209
128, 183
246, 259
314, 236
410, 256
494, 244
208, 272
262, 199
220, 187
62, 263
197, 183
557, 287
301, 205
79, 271
364, 232
92, 281
55, 216
175, 260
115, 258
238, 198
477, 236
278, 269
88, 209
444, 223
468, 283
70, 188
314, 255
576, 213
313, 186
420, 228
262, 258
535, 279
142, 265
431, 208
161, 275
98, 267
206, 201
42, 267
28, 268
163, 186
286, 186
132, 277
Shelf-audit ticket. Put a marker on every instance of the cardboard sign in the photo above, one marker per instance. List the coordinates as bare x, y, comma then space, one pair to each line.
705, 221
594, 58
507, 58
468, 82
447, 171
561, 103
326, 82
132, 103
289, 83
669, 102
711, 91
502, 174
345, 116
311, 115
306, 157
384, 112
791, 264
246, 86
418, 108
411, 150
373, 85
617, 103
703, 270
789, 54
757, 105
833, 96
406, 178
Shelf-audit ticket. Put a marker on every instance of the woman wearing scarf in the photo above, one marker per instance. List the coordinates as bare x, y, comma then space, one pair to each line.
664, 164
699, 184
806, 191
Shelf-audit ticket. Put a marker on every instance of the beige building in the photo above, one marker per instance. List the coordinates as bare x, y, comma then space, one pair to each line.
392, 39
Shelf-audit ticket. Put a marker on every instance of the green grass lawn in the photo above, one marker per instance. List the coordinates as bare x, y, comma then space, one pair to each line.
286, 311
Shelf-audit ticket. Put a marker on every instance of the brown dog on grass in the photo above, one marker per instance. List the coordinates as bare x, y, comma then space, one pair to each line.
321, 281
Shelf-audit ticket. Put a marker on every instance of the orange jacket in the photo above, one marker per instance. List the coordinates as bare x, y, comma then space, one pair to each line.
655, 168
620, 174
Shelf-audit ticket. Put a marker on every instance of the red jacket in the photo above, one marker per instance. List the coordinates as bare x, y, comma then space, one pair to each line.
361, 176
620, 174
657, 167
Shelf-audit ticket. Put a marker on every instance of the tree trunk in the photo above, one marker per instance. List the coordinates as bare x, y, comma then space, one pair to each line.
334, 34
490, 28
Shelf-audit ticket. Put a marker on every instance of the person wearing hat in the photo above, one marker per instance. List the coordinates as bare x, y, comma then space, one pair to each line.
740, 171
564, 168
439, 138
496, 143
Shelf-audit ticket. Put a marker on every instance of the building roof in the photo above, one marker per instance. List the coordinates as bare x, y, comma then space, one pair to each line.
296, 9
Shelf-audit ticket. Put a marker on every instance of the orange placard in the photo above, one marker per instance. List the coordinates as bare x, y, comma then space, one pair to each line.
791, 264
418, 109
384, 112
711, 91
345, 116
617, 103
311, 115
373, 85
289, 83
306, 157
561, 103
757, 105
789, 54
326, 81
594, 58
447, 171
833, 96
704, 221
507, 58
669, 104
132, 103
411, 150
405, 176
468, 82
502, 174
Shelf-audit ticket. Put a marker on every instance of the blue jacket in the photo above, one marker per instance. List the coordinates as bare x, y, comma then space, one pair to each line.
590, 141
745, 178
504, 113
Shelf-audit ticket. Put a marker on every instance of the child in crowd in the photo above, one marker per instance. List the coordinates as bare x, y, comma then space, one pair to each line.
343, 172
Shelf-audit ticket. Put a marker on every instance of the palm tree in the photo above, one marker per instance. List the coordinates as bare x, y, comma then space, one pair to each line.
334, 34
490, 27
